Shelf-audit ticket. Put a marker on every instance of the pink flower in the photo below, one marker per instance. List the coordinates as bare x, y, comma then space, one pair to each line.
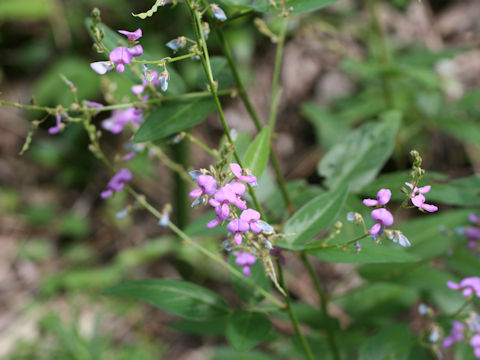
238, 227
123, 56
244, 260
468, 286
117, 183
207, 186
419, 200
238, 173
132, 36
456, 334
382, 218
383, 197
58, 127
251, 217
120, 118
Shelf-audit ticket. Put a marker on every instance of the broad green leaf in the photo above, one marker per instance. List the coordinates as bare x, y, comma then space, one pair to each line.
304, 6
152, 10
257, 5
370, 253
465, 130
246, 329
357, 160
312, 218
257, 275
256, 158
172, 118
215, 326
392, 342
178, 297
25, 10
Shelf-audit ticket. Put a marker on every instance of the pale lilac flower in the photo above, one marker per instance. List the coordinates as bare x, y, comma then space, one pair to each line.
151, 77
251, 217
163, 80
122, 214
121, 56
382, 218
58, 127
207, 186
93, 105
383, 197
120, 118
129, 156
473, 234
245, 260
238, 227
419, 200
137, 50
264, 227
238, 173
456, 334
474, 218
397, 237
176, 44
117, 183
218, 13
194, 174
102, 67
132, 36
468, 286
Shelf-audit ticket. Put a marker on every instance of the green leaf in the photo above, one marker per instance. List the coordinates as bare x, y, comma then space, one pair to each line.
214, 327
257, 275
357, 160
370, 253
392, 342
230, 354
246, 329
304, 6
172, 118
465, 130
178, 297
152, 10
312, 218
256, 158
25, 10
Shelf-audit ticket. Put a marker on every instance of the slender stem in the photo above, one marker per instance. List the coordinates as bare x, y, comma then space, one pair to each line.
293, 317
323, 302
237, 15
467, 302
165, 60
342, 245
255, 118
172, 165
205, 59
275, 97
198, 142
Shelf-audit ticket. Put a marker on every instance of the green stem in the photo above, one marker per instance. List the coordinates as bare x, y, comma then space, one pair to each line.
196, 141
293, 317
467, 302
323, 302
165, 60
275, 97
255, 118
172, 165
205, 59
322, 246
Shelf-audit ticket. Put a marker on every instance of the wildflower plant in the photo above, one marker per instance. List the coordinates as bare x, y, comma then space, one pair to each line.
259, 241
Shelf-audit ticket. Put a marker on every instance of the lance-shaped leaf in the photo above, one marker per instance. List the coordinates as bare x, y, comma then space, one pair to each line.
152, 10
246, 329
172, 118
312, 218
180, 298
256, 158
357, 160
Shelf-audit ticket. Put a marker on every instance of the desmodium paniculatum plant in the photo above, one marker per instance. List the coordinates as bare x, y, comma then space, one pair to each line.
410, 288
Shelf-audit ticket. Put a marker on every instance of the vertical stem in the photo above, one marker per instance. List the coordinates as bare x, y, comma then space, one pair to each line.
205, 59
275, 97
323, 300
254, 116
181, 207
293, 318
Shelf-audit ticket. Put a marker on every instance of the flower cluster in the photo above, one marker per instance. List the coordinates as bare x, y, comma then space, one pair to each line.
120, 118
418, 199
380, 215
469, 286
121, 55
225, 196
460, 330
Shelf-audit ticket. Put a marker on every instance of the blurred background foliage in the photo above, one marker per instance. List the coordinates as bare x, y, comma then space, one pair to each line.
343, 66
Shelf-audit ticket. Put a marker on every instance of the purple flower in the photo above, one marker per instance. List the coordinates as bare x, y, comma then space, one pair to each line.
468, 286
58, 127
93, 105
207, 184
150, 78
132, 36
120, 118
238, 173
121, 56
419, 200
137, 50
474, 218
456, 334
251, 217
129, 156
383, 197
238, 189
220, 218
117, 182
218, 13
382, 217
238, 227
176, 44
473, 234
244, 260
102, 67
